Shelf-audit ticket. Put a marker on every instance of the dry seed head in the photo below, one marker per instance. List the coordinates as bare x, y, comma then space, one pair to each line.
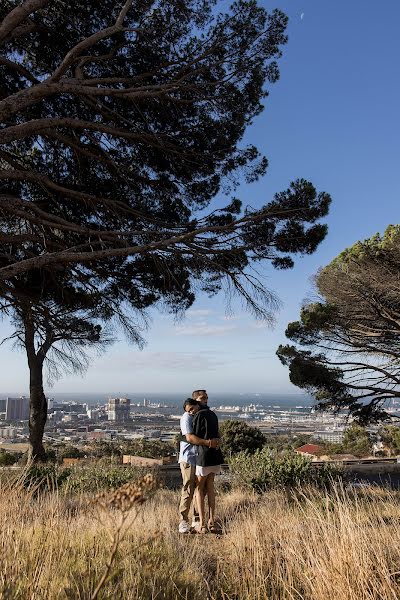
127, 496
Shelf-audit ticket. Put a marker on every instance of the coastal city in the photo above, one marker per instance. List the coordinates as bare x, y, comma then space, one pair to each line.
123, 419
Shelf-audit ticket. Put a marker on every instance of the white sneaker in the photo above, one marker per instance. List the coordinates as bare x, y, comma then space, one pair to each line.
195, 523
184, 527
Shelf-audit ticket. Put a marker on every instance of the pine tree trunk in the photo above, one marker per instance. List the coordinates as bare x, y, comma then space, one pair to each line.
38, 401
37, 411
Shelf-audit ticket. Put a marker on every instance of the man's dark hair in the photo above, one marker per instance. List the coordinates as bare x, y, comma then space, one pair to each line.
189, 402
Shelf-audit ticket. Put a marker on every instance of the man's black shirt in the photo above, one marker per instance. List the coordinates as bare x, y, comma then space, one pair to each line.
205, 426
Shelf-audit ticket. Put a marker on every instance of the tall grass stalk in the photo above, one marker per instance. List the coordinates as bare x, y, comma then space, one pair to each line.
308, 545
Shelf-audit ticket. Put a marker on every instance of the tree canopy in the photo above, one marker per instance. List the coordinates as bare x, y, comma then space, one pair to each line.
238, 437
119, 123
117, 132
357, 440
348, 343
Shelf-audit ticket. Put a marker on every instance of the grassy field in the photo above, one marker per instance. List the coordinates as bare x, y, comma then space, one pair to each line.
22, 447
305, 545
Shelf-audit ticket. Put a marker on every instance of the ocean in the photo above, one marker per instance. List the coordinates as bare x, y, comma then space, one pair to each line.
265, 400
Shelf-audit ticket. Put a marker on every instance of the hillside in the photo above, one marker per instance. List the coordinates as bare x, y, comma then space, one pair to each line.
279, 545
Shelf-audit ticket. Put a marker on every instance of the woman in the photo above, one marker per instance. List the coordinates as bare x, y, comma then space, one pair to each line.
208, 464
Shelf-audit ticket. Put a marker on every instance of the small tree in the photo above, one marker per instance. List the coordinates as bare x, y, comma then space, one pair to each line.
238, 436
357, 441
7, 458
390, 436
55, 332
102, 449
148, 448
70, 452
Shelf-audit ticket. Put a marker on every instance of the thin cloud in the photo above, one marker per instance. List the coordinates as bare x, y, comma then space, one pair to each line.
260, 325
199, 312
170, 361
204, 329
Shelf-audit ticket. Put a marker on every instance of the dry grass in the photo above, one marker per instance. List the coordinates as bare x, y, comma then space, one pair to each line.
310, 546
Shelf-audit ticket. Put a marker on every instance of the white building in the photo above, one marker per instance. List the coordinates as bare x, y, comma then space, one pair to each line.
334, 435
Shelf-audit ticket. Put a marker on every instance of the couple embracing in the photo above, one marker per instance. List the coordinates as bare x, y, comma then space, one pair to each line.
200, 459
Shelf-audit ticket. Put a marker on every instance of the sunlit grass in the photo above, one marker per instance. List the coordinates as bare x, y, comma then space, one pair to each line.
306, 545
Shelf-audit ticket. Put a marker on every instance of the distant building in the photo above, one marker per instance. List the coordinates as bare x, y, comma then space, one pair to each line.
70, 407
334, 435
118, 409
310, 450
100, 435
17, 409
93, 413
152, 433
3, 404
8, 432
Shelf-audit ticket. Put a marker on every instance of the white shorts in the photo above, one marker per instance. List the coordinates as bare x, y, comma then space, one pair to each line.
203, 471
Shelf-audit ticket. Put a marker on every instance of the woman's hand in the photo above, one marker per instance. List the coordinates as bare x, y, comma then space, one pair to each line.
214, 443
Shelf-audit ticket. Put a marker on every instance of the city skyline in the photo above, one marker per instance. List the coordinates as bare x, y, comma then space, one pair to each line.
332, 118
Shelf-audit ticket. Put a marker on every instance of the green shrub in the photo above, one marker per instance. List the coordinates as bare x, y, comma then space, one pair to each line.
69, 452
265, 469
96, 477
87, 478
45, 477
148, 448
8, 458
238, 436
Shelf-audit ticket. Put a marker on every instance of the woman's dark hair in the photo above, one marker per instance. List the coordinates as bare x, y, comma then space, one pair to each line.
189, 402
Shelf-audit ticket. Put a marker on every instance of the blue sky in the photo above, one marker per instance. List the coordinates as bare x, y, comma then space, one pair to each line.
332, 118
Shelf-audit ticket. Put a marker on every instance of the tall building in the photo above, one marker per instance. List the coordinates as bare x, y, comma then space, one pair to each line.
3, 404
17, 409
118, 409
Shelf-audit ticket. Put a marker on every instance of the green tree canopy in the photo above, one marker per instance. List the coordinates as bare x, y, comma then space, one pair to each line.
70, 452
357, 441
390, 435
119, 123
7, 459
111, 145
238, 436
347, 351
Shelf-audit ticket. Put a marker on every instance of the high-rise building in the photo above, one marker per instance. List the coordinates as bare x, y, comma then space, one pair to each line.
3, 404
118, 409
17, 409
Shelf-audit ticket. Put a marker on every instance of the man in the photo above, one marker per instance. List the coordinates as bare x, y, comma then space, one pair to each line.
201, 396
208, 460
187, 463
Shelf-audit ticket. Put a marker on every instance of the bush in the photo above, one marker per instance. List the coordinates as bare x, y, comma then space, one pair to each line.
8, 458
357, 441
148, 448
45, 477
69, 452
90, 478
390, 435
98, 477
239, 437
101, 449
265, 469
